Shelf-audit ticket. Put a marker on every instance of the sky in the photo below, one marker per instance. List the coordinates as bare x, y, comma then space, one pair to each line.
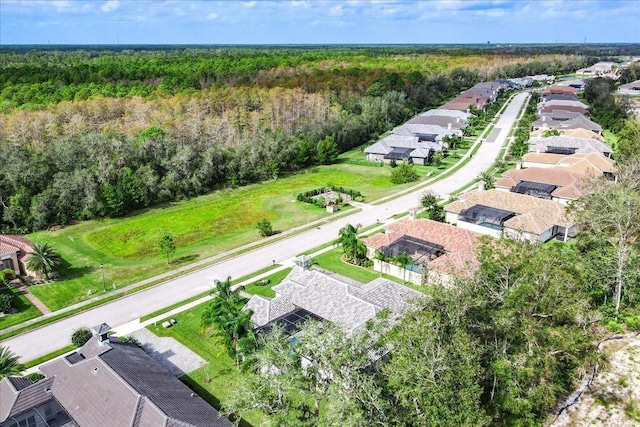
317, 21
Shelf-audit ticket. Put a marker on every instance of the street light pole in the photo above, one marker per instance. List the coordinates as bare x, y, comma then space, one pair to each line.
104, 286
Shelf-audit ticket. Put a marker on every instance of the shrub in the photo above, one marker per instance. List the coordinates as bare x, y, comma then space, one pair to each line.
80, 337
6, 303
403, 173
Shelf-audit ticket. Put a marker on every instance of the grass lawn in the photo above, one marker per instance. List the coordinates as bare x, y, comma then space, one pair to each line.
332, 261
24, 309
221, 369
610, 138
201, 227
256, 288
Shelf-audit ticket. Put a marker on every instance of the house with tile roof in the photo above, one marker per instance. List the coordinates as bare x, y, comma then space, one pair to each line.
554, 184
568, 145
407, 148
580, 163
305, 294
447, 122
440, 250
462, 115
426, 132
14, 253
104, 383
577, 133
560, 90
497, 213
632, 88
579, 122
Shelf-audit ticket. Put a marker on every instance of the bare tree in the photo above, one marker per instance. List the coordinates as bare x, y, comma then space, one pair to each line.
611, 211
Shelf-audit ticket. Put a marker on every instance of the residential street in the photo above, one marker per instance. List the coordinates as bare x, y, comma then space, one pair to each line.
54, 336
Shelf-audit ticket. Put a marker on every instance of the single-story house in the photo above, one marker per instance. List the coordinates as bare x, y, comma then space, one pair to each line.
446, 122
560, 90
426, 133
558, 97
559, 115
462, 115
311, 294
568, 145
14, 253
632, 88
402, 148
579, 163
497, 213
577, 133
598, 68
522, 81
580, 122
444, 250
464, 101
555, 184
104, 383
545, 108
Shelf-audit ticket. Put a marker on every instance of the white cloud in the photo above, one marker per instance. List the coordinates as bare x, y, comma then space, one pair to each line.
110, 6
336, 10
212, 16
249, 4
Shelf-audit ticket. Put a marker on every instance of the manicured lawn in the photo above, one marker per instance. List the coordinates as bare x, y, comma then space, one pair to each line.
24, 309
332, 260
256, 288
221, 369
610, 138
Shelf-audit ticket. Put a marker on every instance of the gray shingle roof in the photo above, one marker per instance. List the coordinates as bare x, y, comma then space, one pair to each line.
386, 145
14, 401
347, 304
119, 384
582, 145
449, 113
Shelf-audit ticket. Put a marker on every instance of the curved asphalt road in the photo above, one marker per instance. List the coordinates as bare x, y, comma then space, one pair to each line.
51, 337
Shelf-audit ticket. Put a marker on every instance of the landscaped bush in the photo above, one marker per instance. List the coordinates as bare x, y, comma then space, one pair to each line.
6, 303
80, 337
308, 196
404, 173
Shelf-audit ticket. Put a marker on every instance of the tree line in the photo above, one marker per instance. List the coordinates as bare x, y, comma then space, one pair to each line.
109, 157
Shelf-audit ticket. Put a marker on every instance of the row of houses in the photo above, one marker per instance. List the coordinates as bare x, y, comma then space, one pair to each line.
419, 138
528, 202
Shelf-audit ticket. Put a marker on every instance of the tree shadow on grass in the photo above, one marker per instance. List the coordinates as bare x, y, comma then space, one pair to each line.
208, 397
67, 271
185, 259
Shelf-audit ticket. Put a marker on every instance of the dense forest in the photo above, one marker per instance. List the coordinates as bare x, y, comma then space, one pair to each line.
88, 133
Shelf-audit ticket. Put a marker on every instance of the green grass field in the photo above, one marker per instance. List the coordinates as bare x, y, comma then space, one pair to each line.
202, 227
220, 370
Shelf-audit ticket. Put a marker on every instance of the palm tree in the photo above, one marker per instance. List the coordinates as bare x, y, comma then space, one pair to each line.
488, 179
380, 256
43, 259
351, 246
9, 363
403, 260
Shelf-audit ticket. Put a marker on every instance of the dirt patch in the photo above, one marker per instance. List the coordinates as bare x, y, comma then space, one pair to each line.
613, 398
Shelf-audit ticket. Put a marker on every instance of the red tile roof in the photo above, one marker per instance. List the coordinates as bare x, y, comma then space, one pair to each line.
459, 244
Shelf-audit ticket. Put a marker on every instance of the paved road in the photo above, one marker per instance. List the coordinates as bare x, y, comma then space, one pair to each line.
52, 337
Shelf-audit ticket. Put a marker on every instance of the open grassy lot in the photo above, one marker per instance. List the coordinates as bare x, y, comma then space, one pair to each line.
201, 227
220, 371
24, 310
